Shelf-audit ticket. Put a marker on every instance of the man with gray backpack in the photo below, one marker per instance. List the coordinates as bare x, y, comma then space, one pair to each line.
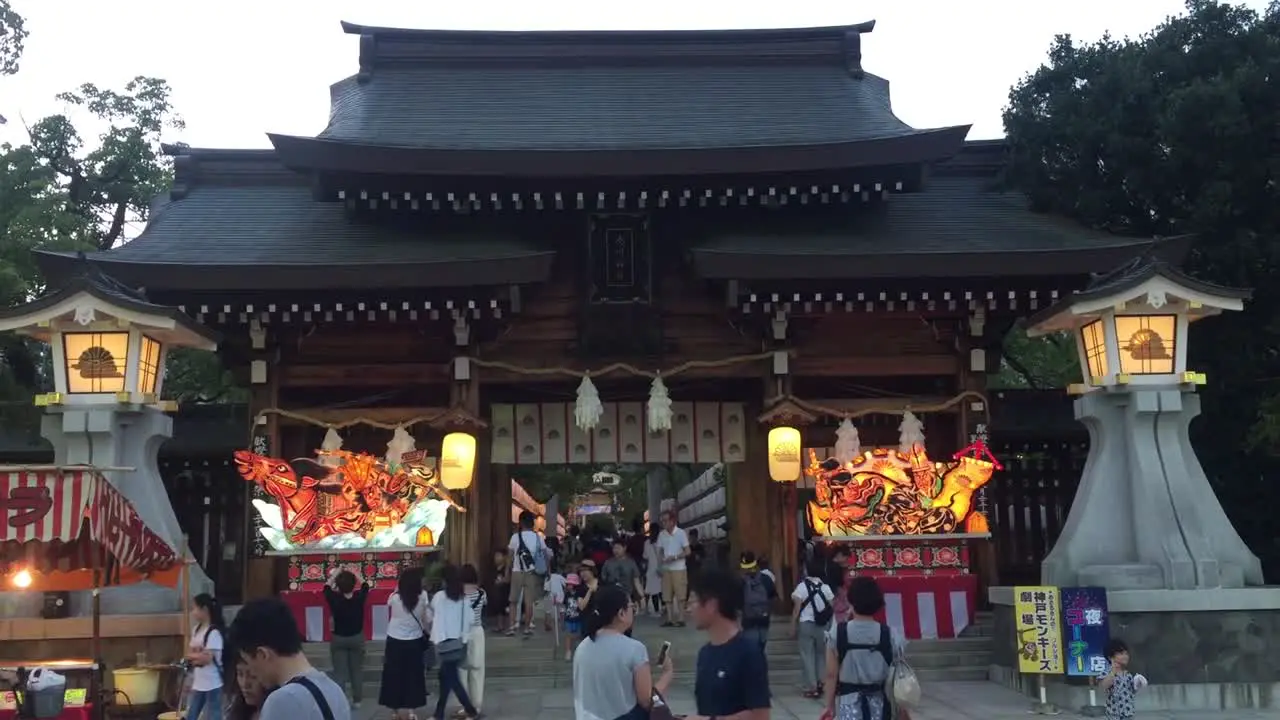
758, 594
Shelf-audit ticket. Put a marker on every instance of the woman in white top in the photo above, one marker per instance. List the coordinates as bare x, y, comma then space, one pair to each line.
813, 604
652, 578
451, 624
205, 656
404, 680
473, 669
612, 679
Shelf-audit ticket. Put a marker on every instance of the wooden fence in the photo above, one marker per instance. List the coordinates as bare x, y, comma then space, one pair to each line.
1028, 502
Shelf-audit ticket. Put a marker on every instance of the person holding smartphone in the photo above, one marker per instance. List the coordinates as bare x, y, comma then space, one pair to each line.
612, 679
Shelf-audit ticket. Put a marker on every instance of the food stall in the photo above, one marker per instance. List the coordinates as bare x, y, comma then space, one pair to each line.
911, 523
355, 511
67, 528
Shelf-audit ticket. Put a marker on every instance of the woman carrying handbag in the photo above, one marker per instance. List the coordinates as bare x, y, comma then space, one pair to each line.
450, 631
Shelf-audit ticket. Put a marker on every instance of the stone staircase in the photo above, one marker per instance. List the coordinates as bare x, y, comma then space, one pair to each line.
534, 664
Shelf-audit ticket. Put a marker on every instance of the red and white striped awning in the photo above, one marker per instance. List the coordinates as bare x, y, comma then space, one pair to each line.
57, 520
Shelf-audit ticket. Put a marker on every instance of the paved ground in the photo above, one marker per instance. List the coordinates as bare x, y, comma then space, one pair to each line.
943, 701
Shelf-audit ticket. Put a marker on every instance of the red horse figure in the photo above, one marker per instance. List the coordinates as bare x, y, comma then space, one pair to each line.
298, 498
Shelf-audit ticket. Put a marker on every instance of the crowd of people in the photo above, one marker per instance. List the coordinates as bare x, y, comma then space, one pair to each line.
591, 588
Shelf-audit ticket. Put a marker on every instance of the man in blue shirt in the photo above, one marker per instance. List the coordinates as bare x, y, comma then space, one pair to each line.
732, 676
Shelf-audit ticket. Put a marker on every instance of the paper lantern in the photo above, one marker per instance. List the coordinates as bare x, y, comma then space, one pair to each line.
784, 454
457, 460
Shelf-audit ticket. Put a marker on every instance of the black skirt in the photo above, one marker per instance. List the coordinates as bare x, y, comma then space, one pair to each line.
404, 679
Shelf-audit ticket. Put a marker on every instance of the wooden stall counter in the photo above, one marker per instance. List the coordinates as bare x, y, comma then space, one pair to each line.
928, 587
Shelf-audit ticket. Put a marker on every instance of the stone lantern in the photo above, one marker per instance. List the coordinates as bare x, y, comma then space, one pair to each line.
108, 345
1144, 516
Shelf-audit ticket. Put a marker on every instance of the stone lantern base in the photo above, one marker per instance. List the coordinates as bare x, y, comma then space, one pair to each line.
117, 436
1200, 649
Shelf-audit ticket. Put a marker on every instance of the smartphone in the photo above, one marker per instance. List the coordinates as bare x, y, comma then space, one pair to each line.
662, 654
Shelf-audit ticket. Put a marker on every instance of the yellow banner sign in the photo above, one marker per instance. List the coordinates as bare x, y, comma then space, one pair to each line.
1036, 612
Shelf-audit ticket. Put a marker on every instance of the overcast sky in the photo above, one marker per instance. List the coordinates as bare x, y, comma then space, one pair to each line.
240, 68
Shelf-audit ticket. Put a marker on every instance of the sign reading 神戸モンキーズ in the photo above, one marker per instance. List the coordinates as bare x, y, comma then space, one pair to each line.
1084, 613
1039, 629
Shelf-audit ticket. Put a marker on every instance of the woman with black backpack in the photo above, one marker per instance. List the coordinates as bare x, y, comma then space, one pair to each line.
813, 603
860, 654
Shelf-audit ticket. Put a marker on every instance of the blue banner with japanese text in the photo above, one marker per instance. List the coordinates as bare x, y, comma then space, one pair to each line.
1086, 627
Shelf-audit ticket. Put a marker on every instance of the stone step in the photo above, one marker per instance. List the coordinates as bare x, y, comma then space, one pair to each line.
561, 676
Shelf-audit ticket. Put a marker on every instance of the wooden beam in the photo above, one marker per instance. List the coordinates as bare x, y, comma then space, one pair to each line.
410, 374
363, 375
873, 366
385, 415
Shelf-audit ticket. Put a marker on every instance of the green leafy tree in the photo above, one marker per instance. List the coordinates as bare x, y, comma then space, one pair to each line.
1037, 363
1178, 132
13, 36
62, 190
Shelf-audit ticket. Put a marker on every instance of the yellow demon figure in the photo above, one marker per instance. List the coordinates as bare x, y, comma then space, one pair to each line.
888, 492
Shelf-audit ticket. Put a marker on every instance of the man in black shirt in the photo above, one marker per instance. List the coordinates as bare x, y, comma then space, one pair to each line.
732, 676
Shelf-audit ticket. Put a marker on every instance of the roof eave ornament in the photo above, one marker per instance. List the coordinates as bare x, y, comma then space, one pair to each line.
853, 48
368, 51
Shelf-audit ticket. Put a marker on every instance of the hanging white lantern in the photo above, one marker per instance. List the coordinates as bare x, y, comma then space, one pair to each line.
332, 443
659, 406
848, 444
457, 460
401, 444
588, 410
910, 433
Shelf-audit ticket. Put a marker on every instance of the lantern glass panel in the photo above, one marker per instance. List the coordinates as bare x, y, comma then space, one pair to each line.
1147, 343
1094, 337
96, 361
148, 365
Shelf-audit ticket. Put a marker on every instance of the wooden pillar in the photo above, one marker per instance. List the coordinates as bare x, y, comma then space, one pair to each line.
752, 517
498, 520
980, 348
264, 377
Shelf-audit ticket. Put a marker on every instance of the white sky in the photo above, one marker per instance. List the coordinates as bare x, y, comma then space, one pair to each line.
240, 68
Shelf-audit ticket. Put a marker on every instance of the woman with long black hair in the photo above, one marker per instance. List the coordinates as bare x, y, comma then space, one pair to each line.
612, 679
205, 655
245, 692
450, 632
404, 681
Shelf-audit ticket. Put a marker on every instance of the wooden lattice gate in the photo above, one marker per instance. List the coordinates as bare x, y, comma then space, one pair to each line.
1028, 502
208, 496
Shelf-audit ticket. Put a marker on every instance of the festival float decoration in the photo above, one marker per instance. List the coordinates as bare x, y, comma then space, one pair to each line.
361, 502
908, 521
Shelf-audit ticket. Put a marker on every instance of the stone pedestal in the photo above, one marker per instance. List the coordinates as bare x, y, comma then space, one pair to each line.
1200, 649
118, 436
1145, 516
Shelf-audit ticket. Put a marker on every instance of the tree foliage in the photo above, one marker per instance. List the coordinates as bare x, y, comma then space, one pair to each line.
1037, 363
71, 189
13, 36
1178, 132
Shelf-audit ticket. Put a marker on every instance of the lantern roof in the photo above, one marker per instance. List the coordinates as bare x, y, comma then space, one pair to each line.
92, 295
1145, 284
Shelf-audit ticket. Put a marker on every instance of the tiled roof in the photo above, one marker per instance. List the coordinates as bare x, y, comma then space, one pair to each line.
259, 225
957, 225
640, 107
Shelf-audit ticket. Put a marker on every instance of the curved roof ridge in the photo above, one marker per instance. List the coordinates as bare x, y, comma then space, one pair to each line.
741, 34
381, 46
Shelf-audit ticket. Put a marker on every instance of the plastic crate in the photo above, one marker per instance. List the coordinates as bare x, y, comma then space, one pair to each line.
42, 704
